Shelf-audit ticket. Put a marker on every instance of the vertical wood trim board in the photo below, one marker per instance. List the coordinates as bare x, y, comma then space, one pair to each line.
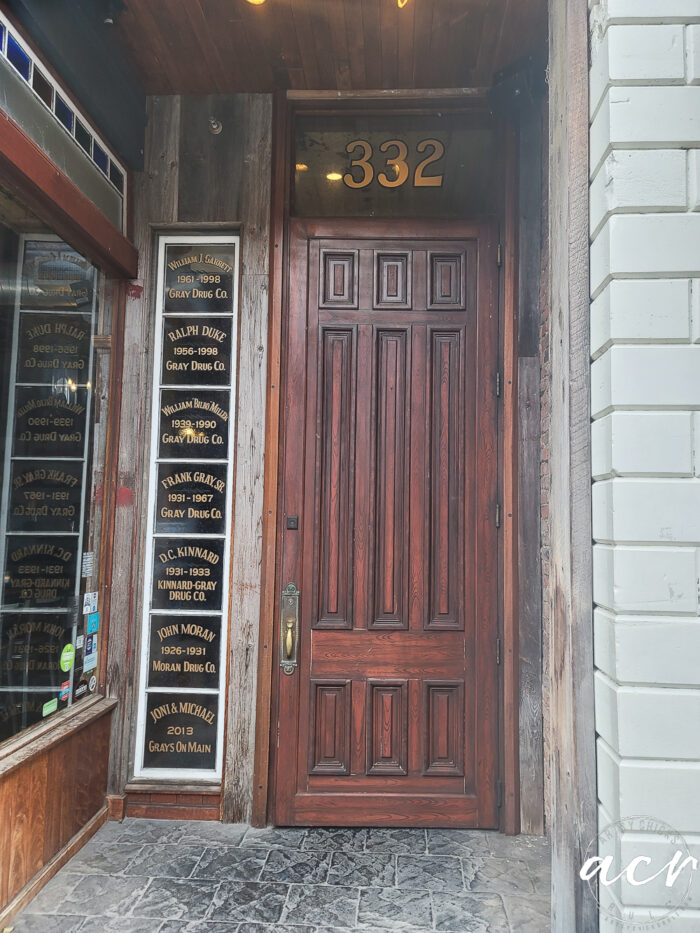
236, 804
529, 561
280, 145
573, 779
511, 762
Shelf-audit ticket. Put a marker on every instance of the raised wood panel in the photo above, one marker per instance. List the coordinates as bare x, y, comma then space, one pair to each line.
224, 47
47, 799
331, 716
444, 735
446, 282
387, 727
391, 507
339, 273
335, 570
392, 280
447, 483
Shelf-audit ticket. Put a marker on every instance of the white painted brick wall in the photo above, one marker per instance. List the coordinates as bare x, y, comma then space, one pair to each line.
645, 117
651, 11
694, 179
645, 579
641, 311
648, 722
637, 55
637, 180
692, 34
645, 395
639, 443
646, 378
646, 246
646, 649
635, 510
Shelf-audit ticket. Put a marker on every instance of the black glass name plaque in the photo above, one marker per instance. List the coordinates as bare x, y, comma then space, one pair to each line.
53, 347
196, 352
187, 573
198, 280
184, 651
39, 572
45, 496
181, 731
49, 422
194, 424
191, 499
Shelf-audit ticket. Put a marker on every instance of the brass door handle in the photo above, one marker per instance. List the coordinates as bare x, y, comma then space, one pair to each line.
289, 628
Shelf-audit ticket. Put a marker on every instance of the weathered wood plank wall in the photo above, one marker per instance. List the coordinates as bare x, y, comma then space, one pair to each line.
573, 777
529, 569
193, 179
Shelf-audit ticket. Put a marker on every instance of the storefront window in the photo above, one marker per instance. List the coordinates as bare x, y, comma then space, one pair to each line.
49, 619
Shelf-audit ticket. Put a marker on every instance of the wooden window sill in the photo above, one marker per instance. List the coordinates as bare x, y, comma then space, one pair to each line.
21, 748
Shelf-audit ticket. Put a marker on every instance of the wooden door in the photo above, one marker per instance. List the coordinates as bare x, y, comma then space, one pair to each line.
389, 465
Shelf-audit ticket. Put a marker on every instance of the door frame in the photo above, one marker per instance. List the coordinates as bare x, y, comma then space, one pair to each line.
286, 106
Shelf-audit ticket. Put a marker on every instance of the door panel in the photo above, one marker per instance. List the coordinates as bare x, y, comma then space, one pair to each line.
389, 463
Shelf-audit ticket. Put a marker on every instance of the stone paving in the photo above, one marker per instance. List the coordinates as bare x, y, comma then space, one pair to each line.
157, 876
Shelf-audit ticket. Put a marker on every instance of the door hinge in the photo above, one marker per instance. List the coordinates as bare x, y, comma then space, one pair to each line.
499, 794
498, 515
499, 255
498, 385
498, 651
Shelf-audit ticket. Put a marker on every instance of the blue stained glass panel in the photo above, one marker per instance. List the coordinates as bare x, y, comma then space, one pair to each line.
99, 156
64, 113
18, 57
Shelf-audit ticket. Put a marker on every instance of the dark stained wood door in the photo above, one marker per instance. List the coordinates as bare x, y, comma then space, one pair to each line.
389, 464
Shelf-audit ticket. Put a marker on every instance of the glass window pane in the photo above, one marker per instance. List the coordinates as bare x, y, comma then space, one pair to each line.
116, 177
18, 57
48, 314
83, 136
394, 165
42, 87
99, 156
64, 113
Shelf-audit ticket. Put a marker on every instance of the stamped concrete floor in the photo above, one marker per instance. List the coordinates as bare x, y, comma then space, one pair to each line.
155, 876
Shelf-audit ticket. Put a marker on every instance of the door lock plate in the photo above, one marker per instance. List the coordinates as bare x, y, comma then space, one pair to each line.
289, 628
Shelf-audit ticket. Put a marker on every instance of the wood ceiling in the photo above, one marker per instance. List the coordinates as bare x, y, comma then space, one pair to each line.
227, 46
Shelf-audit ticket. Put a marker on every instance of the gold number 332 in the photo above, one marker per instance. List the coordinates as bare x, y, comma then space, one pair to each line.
397, 168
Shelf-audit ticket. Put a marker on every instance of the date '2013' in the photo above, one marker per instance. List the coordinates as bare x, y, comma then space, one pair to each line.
397, 169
